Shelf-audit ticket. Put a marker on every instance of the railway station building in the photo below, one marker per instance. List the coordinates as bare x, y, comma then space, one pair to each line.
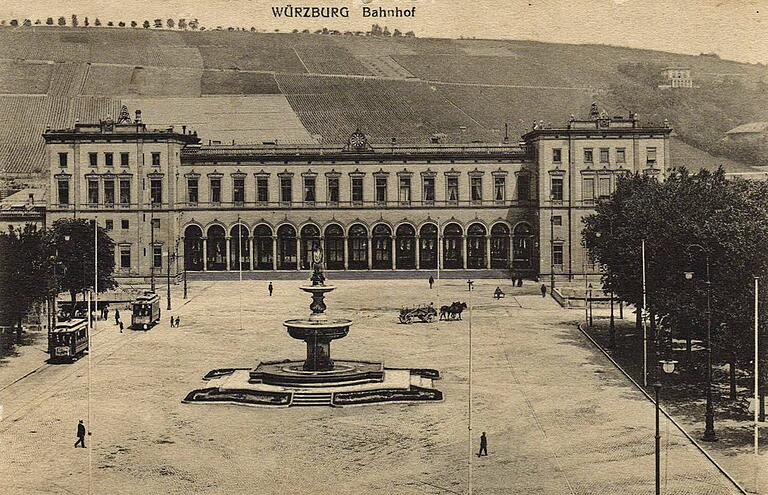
172, 204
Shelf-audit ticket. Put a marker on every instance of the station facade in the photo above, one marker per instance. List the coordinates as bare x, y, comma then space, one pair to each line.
172, 204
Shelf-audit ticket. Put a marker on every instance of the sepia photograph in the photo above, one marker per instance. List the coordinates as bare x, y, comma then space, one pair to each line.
384, 247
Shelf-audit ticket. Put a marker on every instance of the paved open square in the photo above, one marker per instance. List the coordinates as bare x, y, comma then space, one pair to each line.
559, 418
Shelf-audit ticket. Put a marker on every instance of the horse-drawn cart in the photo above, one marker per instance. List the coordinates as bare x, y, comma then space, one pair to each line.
426, 314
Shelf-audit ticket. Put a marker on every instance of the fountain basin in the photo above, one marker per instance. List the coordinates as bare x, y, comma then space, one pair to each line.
318, 335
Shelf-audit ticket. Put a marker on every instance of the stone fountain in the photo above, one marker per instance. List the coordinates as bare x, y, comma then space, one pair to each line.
318, 379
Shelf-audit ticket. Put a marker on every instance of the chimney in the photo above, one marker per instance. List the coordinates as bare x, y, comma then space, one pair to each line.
183, 129
138, 117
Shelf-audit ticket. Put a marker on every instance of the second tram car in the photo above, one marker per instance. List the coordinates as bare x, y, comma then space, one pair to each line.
69, 340
146, 311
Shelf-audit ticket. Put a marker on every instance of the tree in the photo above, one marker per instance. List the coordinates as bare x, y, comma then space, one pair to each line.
37, 22
182, 24
134, 24
410, 34
170, 23
158, 23
24, 278
86, 23
386, 32
194, 24
121, 24
62, 21
14, 22
396, 33
27, 22
146, 24
49, 21
77, 256
97, 22
75, 22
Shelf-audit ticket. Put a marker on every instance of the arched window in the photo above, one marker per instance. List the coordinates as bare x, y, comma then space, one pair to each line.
334, 247
522, 241
262, 247
428, 246
405, 247
382, 247
286, 247
500, 246
453, 240
310, 235
239, 248
217, 248
358, 247
193, 248
476, 246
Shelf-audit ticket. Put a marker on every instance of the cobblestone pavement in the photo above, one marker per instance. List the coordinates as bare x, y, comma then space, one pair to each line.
559, 418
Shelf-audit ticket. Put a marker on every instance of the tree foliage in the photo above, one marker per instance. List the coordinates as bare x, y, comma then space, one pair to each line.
686, 220
24, 272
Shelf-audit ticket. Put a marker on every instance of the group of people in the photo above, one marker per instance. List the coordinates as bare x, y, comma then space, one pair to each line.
175, 323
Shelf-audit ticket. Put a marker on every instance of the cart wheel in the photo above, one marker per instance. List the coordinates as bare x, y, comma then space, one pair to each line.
430, 318
408, 320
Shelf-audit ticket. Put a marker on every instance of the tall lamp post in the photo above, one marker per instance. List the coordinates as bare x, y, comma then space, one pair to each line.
709, 428
551, 244
590, 305
668, 367
171, 259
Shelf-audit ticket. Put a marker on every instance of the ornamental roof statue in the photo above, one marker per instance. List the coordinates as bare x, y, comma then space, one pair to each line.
125, 117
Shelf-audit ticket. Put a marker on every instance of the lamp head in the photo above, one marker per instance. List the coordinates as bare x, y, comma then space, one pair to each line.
668, 366
66, 237
688, 275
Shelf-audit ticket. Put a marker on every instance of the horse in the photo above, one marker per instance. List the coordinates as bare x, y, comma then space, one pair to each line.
452, 312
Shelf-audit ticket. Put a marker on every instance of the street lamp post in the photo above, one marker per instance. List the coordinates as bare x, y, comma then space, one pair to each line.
171, 257
612, 327
590, 305
551, 245
668, 367
185, 281
709, 428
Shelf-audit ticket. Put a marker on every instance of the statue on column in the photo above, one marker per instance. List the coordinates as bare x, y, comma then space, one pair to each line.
318, 265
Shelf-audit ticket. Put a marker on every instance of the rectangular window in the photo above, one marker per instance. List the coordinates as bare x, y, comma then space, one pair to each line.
155, 159
156, 223
309, 190
125, 257
557, 155
357, 190
588, 158
452, 190
109, 159
476, 189
93, 160
63, 160
109, 224
523, 188
428, 194
262, 190
124, 158
333, 190
557, 188
604, 155
157, 256
650, 154
405, 190
109, 192
588, 189
499, 189
125, 192
192, 190
557, 255
605, 187
63, 188
93, 192
238, 191
381, 190
216, 191
286, 190
125, 224
557, 220
621, 155
156, 191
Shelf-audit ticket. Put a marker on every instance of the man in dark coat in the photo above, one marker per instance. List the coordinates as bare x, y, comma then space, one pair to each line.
543, 290
80, 434
117, 316
431, 281
483, 445
270, 288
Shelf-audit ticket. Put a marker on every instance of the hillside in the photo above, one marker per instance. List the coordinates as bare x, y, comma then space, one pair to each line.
296, 87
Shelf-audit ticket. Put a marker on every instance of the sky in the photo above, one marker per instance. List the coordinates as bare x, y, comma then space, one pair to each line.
734, 29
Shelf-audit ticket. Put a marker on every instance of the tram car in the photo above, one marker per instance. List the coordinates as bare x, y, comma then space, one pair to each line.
69, 340
146, 311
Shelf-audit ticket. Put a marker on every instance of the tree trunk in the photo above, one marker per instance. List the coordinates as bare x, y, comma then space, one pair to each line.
638, 319
18, 328
732, 369
73, 295
652, 334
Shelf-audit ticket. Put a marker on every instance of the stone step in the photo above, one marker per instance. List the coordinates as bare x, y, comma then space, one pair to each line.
309, 399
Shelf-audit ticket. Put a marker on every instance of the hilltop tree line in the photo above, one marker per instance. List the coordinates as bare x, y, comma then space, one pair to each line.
183, 24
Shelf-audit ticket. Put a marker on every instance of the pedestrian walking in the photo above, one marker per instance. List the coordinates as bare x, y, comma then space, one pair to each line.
117, 316
520, 281
483, 445
80, 434
270, 288
106, 313
543, 290
171, 321
177, 322
431, 281
121, 326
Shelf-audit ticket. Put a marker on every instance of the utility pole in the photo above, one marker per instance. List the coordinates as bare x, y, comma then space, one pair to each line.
645, 329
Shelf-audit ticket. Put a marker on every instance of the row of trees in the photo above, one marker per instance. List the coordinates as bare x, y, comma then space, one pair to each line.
39, 264
687, 220
181, 24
